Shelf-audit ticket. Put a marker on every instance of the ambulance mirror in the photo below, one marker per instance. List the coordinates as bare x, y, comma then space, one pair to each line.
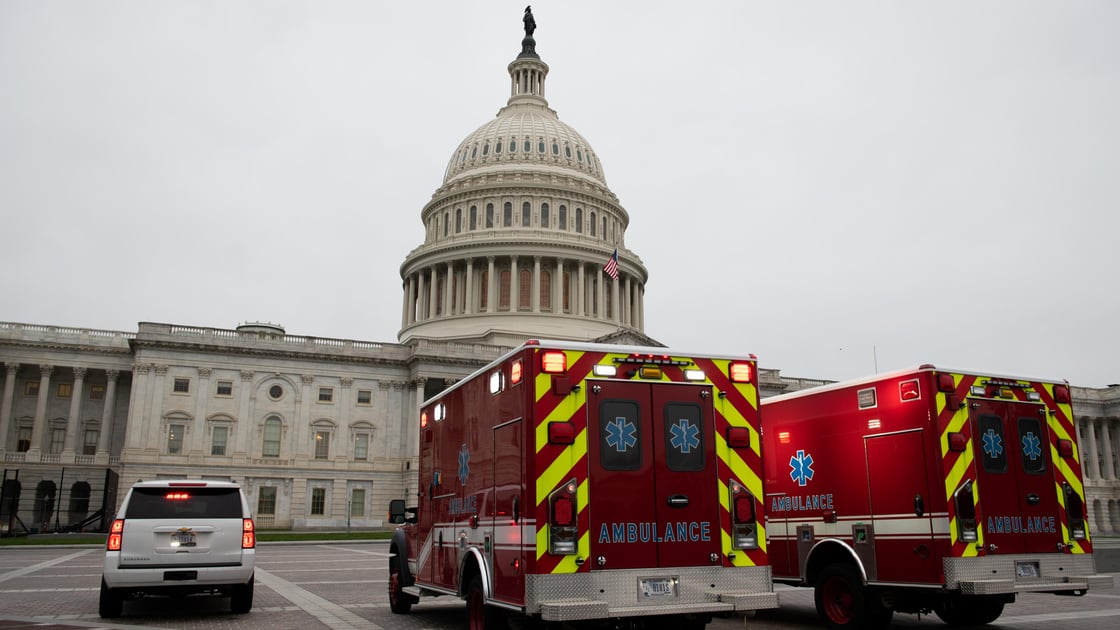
396, 511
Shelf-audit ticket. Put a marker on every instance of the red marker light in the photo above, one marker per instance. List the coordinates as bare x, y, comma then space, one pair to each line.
515, 372
177, 496
739, 372
554, 362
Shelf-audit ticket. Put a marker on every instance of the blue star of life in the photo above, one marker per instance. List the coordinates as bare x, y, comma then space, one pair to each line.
686, 436
464, 469
801, 468
993, 444
621, 434
1031, 446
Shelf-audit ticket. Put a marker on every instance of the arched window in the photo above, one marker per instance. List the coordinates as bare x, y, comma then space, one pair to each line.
545, 218
513, 146
44, 505
486, 149
579, 220
489, 215
474, 218
555, 148
526, 214
540, 145
524, 290
503, 290
562, 217
567, 151
498, 147
458, 220
592, 223
546, 290
270, 445
528, 145
507, 214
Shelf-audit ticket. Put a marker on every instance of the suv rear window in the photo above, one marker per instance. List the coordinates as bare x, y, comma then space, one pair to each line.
186, 502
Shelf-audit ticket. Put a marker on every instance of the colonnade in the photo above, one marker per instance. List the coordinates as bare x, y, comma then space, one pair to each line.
1100, 469
32, 449
543, 285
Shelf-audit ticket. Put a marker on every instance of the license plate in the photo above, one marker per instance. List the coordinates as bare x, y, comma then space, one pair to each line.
1026, 569
183, 539
657, 587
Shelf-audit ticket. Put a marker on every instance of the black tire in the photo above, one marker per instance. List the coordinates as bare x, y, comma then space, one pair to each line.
843, 602
241, 599
111, 602
969, 611
399, 601
479, 615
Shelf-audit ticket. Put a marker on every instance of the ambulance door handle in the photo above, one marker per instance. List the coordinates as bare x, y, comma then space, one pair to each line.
1033, 499
678, 500
919, 505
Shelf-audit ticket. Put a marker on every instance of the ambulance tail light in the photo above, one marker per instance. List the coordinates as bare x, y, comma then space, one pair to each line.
1075, 512
744, 526
739, 372
1065, 449
116, 535
554, 362
966, 513
562, 523
1061, 394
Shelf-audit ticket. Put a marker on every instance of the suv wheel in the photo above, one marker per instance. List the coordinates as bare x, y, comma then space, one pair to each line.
110, 603
241, 599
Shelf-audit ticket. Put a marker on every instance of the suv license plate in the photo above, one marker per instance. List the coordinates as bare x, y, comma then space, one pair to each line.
657, 587
1026, 569
183, 539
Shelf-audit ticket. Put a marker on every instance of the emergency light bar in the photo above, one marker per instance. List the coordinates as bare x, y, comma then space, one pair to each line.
651, 359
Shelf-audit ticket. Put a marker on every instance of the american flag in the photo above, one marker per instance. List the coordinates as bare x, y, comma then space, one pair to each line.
612, 265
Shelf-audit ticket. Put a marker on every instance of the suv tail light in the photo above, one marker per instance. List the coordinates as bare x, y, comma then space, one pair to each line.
116, 532
966, 513
562, 524
248, 534
744, 529
1075, 512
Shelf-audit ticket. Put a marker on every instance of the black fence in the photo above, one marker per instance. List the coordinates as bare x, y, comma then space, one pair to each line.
42, 503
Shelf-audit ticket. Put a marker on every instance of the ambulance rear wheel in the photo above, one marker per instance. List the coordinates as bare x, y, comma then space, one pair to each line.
843, 602
969, 611
479, 615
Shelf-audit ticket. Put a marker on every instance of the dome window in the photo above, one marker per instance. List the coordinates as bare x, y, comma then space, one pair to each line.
567, 151
579, 155
497, 147
513, 146
485, 149
489, 215
528, 146
555, 148
474, 152
540, 146
545, 216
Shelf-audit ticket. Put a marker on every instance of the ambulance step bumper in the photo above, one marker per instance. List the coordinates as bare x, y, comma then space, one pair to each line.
750, 601
573, 610
1000, 587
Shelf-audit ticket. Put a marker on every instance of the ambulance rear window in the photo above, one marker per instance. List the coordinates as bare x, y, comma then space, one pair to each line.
991, 443
684, 437
620, 435
1032, 446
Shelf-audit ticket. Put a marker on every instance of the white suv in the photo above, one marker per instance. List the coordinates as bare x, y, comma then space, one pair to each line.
178, 538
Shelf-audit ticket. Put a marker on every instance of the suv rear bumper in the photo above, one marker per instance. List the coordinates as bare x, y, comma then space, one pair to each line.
176, 578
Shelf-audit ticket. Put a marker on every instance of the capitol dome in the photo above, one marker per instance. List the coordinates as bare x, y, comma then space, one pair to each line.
518, 234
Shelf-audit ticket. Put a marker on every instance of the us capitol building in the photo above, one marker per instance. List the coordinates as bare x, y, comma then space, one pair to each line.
322, 432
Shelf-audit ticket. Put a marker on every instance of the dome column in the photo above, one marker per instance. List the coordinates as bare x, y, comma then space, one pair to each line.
491, 286
431, 310
616, 302
418, 307
448, 307
535, 285
558, 287
514, 285
468, 301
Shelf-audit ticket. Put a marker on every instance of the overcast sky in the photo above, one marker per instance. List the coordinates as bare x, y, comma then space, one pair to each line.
838, 187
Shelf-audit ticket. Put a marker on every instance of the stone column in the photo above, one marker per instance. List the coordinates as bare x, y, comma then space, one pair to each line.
407, 301
34, 453
448, 294
202, 394
420, 312
581, 292
558, 287
1109, 472
344, 450
628, 300
303, 422
491, 286
6, 403
432, 293
74, 422
243, 445
156, 439
469, 297
105, 436
514, 285
1094, 470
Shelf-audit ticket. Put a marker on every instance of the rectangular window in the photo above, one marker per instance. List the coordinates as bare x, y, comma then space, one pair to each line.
1032, 441
23, 440
322, 444
218, 441
58, 436
266, 500
175, 438
225, 388
993, 454
31, 388
65, 390
182, 386
271, 446
365, 396
326, 394
318, 501
685, 432
97, 392
358, 502
620, 435
361, 446
89, 442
